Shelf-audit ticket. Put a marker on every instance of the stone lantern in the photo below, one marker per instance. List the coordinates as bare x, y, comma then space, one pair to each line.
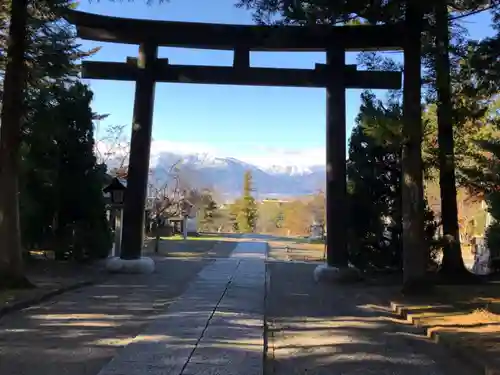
116, 189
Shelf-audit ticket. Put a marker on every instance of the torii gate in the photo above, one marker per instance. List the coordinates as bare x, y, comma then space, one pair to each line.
335, 76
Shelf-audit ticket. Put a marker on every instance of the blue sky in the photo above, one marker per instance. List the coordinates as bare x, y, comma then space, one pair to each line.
261, 125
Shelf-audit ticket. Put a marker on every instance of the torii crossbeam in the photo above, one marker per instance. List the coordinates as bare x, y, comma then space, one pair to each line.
148, 69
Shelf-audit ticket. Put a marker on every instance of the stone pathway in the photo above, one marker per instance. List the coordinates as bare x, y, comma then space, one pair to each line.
216, 327
218, 318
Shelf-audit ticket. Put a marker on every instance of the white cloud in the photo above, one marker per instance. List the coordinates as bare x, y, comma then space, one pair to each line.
263, 157
286, 157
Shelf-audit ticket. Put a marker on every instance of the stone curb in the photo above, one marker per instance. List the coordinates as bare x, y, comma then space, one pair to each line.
469, 355
23, 304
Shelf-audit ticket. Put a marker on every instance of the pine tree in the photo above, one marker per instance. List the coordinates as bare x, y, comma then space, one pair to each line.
51, 61
11, 263
80, 209
484, 176
208, 211
234, 210
27, 21
374, 181
247, 207
441, 59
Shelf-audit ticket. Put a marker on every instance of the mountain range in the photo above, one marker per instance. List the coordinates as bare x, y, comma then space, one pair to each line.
225, 175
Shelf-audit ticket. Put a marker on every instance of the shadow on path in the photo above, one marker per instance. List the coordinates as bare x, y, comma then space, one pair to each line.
338, 329
79, 332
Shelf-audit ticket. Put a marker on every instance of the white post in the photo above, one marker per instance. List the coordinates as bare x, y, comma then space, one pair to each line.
118, 233
184, 227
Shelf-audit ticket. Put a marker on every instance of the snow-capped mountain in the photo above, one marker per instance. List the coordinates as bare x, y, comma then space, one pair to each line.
292, 170
225, 174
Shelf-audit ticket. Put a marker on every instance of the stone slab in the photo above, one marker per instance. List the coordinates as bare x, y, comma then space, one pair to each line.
204, 369
215, 327
330, 274
228, 356
142, 265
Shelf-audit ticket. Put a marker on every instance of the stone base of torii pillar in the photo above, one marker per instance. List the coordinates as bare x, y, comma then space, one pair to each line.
142, 265
332, 274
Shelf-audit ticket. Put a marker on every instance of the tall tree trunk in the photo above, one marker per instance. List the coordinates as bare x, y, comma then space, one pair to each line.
397, 230
452, 264
11, 261
414, 246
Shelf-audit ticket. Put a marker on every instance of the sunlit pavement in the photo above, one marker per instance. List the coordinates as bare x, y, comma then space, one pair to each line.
78, 332
343, 329
215, 327
218, 318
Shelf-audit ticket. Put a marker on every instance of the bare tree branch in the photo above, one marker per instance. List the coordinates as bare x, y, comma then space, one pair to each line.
169, 199
113, 148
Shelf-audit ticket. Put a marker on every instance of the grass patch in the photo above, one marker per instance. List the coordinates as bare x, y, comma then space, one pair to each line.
294, 250
195, 246
195, 238
318, 241
296, 240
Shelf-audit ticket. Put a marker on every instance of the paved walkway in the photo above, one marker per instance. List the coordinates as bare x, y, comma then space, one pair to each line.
215, 327
181, 322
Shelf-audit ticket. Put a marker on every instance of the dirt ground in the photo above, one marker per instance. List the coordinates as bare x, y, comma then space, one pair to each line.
466, 316
49, 275
322, 328
78, 332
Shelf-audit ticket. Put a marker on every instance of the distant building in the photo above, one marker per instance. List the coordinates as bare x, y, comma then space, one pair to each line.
274, 200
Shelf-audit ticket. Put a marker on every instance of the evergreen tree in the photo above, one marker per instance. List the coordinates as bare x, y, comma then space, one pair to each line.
208, 211
19, 20
51, 100
247, 207
80, 209
374, 185
234, 209
484, 176
11, 264
58, 162
442, 62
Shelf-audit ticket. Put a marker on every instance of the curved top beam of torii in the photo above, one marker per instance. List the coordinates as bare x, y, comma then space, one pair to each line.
230, 37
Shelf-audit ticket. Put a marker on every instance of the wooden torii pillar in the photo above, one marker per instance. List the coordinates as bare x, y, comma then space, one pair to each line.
336, 179
140, 148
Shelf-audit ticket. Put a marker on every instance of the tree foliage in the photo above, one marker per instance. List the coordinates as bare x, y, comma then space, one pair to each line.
244, 209
207, 211
56, 158
374, 185
50, 149
59, 163
456, 93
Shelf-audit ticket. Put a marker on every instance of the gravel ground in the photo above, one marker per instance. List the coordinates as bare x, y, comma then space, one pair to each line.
342, 330
78, 332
